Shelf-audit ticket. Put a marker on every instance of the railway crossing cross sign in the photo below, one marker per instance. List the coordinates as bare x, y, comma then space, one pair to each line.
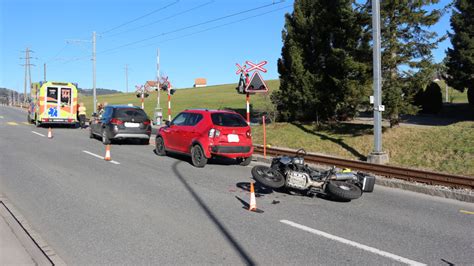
241, 69
257, 67
256, 84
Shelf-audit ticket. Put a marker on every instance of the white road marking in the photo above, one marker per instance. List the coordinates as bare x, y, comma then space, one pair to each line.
100, 157
39, 134
352, 243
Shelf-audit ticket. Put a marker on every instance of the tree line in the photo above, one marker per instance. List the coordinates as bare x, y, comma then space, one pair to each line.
326, 60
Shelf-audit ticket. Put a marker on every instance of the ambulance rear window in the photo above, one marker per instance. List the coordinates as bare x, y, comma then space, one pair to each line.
52, 94
66, 96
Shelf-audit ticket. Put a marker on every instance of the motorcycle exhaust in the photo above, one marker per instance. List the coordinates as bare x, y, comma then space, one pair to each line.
343, 176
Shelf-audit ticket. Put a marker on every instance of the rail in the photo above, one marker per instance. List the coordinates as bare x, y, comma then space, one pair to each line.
422, 176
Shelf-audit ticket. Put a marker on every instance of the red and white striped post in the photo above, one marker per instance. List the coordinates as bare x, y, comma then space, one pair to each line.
264, 138
248, 108
143, 98
169, 104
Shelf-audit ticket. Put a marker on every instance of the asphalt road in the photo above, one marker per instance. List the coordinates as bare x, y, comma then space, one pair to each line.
145, 209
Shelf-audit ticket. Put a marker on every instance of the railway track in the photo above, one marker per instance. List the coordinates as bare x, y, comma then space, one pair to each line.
427, 177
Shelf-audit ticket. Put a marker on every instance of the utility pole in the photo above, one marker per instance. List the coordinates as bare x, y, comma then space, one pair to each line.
126, 78
158, 111
158, 77
44, 72
93, 71
93, 67
27, 65
377, 156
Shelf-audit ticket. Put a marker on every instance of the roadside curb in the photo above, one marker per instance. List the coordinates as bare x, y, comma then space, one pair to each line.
41, 252
437, 191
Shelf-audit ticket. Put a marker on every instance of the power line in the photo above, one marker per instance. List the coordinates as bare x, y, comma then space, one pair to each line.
163, 19
112, 50
192, 26
216, 27
140, 17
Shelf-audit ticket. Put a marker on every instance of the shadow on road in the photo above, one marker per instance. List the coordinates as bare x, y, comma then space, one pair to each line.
239, 249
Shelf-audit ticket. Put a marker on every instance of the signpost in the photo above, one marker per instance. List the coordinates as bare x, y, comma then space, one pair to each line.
166, 85
256, 84
142, 92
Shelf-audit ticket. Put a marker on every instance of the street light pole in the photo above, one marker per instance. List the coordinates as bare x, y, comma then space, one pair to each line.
377, 156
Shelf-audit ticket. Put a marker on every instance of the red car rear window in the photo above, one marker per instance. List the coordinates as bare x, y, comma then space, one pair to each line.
228, 120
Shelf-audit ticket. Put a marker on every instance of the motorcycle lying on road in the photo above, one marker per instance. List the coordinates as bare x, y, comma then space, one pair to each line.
292, 173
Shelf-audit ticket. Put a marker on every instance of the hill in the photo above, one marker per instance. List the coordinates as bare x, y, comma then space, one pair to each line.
98, 91
211, 97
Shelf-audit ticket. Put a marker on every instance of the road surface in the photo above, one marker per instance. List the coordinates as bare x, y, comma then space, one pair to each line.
146, 209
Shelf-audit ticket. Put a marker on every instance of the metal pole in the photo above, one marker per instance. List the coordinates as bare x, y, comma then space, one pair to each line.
44, 72
377, 77
93, 72
26, 67
158, 77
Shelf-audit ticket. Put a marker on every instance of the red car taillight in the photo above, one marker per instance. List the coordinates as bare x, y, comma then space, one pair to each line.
116, 121
249, 133
146, 123
214, 133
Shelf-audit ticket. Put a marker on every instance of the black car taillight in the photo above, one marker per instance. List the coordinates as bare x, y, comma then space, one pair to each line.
116, 121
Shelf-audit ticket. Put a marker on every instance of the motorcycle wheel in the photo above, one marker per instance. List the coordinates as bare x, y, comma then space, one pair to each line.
343, 190
268, 176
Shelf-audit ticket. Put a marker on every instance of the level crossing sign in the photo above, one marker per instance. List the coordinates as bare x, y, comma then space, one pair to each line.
256, 84
257, 67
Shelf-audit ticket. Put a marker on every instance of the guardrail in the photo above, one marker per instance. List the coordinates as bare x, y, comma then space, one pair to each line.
427, 177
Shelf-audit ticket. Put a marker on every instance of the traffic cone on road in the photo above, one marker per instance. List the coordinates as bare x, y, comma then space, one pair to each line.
50, 133
253, 202
107, 153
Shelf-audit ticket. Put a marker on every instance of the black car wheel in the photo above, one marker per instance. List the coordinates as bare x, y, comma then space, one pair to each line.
197, 156
91, 135
160, 146
105, 138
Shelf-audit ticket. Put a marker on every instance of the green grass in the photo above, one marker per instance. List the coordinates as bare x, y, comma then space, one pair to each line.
454, 96
447, 149
443, 148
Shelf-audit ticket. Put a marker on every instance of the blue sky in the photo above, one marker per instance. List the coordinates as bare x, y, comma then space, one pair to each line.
60, 32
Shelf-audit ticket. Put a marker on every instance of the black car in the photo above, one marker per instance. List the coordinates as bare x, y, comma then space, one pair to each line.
119, 122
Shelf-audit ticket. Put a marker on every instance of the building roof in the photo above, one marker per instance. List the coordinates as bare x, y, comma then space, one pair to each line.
200, 81
152, 83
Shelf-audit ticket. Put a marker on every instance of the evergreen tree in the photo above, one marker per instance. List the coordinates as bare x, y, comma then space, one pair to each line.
461, 56
324, 70
406, 41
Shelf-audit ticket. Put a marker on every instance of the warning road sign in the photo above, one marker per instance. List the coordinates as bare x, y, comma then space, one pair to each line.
256, 84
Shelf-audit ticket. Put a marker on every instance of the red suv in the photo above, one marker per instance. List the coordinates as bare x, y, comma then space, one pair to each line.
204, 134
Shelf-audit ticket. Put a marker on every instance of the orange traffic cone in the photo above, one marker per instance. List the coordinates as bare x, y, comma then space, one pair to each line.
253, 202
107, 153
50, 133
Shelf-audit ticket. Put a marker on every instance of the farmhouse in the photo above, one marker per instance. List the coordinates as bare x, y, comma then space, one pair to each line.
200, 82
